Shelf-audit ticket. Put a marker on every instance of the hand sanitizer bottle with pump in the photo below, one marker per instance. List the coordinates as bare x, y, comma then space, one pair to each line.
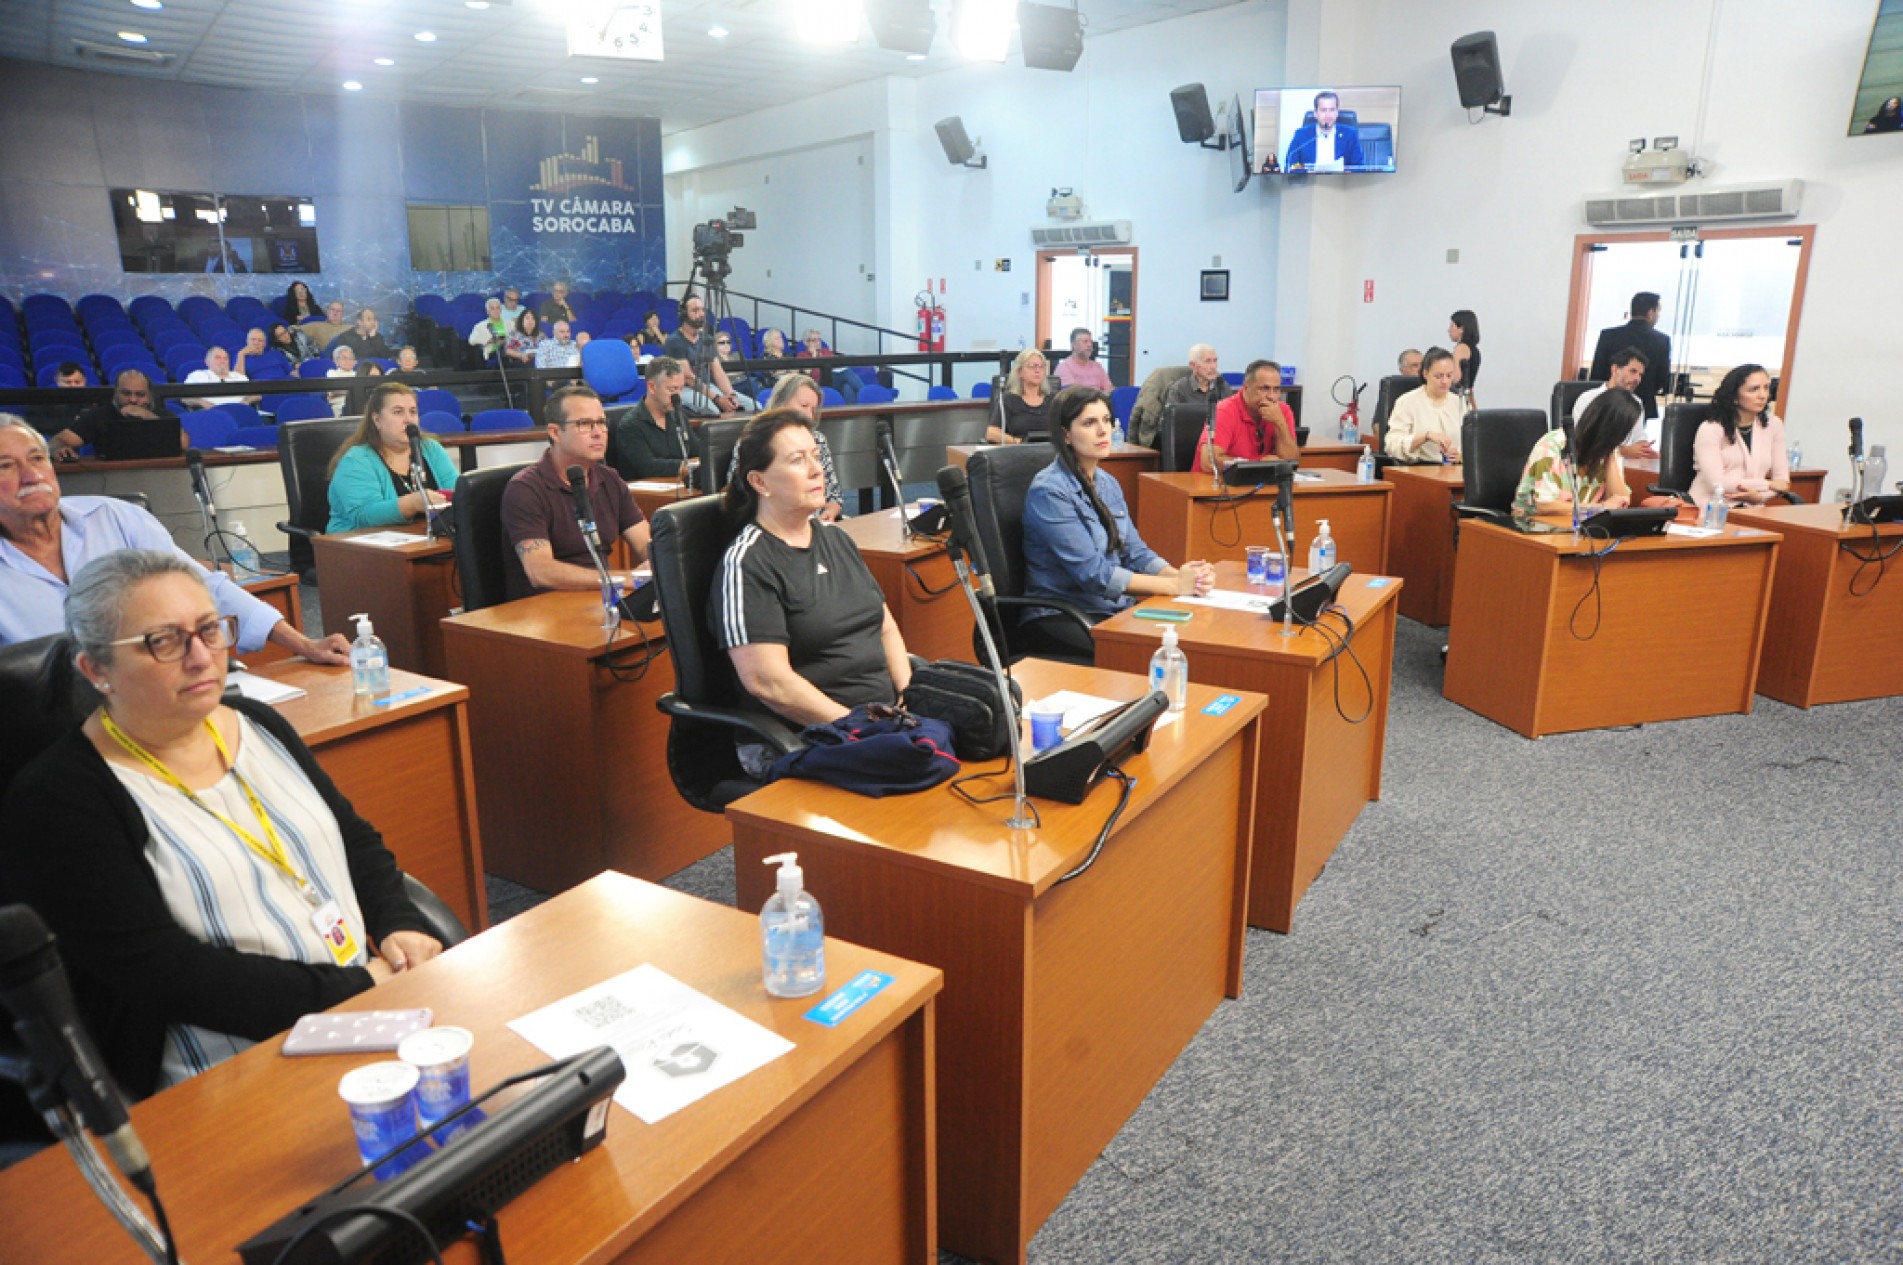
1364, 468
792, 934
369, 662
1169, 671
1321, 550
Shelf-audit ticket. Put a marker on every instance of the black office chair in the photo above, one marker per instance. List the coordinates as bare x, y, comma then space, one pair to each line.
481, 550
999, 479
304, 453
1565, 395
689, 540
1386, 392
1677, 430
1183, 426
714, 442
1494, 446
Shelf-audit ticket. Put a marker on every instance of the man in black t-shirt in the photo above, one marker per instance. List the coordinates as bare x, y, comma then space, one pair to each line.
363, 338
102, 423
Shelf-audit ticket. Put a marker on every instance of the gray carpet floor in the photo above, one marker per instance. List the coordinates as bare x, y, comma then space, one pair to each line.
1632, 995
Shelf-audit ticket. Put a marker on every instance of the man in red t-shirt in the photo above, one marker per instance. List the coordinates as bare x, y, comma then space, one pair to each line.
1252, 424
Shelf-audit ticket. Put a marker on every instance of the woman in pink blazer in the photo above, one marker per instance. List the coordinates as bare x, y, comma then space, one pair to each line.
1740, 445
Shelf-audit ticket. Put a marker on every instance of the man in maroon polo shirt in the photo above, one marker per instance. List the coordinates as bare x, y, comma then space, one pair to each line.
547, 550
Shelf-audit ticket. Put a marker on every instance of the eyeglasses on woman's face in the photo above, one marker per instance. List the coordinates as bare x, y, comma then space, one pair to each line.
170, 644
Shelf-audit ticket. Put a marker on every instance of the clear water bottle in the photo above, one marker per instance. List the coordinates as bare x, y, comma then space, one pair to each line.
369, 662
1364, 468
1350, 433
1716, 511
1321, 550
792, 934
1120, 437
1876, 469
1796, 455
244, 554
1169, 671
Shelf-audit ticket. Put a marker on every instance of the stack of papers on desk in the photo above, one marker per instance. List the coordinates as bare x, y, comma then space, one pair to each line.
387, 539
1079, 709
262, 689
1230, 600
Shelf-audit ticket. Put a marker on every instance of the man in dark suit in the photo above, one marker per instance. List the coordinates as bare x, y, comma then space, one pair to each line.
1639, 334
1323, 143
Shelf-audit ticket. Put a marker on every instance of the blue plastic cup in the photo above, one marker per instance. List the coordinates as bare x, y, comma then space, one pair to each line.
441, 1059
1047, 726
382, 1102
1258, 564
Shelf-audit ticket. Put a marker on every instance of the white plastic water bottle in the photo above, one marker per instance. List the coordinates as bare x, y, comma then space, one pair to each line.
1350, 433
1364, 468
1321, 550
244, 554
1169, 671
792, 934
1797, 455
1876, 468
369, 662
1716, 510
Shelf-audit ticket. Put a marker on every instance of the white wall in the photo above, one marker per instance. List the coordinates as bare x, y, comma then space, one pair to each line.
1105, 129
1507, 193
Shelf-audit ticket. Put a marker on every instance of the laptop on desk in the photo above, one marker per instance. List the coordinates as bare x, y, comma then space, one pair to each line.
137, 438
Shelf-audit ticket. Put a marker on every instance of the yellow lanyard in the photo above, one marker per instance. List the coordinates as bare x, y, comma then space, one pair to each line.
270, 849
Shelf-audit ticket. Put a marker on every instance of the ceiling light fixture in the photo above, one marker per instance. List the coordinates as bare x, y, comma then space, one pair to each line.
132, 37
351, 85
981, 29
915, 57
385, 61
426, 37
477, 5
590, 79
828, 21
717, 32
147, 4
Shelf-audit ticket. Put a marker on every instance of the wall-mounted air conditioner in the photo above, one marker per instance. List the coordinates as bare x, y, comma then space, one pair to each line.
1776, 200
1087, 233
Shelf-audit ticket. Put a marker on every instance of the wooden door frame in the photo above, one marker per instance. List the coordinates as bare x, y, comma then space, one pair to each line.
1571, 360
1041, 322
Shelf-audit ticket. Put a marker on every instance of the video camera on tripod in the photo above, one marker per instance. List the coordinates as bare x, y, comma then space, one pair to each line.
715, 240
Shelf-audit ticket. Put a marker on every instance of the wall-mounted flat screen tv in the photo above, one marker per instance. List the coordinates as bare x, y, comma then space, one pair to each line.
1879, 103
214, 232
1326, 130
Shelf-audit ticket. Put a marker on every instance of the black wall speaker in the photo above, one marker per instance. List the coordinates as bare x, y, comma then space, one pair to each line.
958, 146
902, 26
1477, 69
1052, 37
1194, 122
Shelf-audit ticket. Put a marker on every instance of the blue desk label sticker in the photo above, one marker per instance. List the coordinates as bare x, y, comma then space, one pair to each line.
404, 697
861, 989
1378, 582
1222, 704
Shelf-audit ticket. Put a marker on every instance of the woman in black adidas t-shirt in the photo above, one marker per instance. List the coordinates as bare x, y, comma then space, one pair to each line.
793, 604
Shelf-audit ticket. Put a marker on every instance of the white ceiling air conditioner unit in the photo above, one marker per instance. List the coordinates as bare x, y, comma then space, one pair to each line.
1087, 233
1776, 200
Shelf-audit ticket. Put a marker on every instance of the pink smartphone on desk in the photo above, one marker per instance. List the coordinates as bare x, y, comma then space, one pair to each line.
354, 1032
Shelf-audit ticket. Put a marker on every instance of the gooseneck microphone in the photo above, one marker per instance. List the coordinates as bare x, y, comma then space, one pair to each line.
584, 508
201, 490
955, 488
889, 459
33, 986
1856, 437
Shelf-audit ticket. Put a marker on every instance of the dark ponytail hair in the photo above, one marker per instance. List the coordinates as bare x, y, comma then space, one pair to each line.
1065, 408
1469, 326
755, 452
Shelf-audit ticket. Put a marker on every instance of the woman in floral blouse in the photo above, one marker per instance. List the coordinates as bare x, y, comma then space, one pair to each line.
1593, 472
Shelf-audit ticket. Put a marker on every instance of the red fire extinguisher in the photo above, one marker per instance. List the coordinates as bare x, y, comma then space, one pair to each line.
931, 318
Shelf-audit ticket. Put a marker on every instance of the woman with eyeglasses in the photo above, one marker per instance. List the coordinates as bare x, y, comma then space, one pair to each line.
206, 881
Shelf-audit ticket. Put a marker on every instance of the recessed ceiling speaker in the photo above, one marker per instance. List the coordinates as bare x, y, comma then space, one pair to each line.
902, 26
959, 150
1477, 74
1194, 123
1052, 36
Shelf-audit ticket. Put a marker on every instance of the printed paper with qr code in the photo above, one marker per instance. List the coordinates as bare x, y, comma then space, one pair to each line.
677, 1044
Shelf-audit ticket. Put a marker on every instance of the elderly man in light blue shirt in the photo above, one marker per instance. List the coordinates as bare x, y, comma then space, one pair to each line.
45, 540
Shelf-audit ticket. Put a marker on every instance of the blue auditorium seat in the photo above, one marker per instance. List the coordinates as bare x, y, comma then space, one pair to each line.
503, 419
298, 407
608, 365
942, 393
210, 428
253, 437
437, 400
437, 422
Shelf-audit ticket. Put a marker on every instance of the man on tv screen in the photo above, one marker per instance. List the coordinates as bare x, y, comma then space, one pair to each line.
1323, 143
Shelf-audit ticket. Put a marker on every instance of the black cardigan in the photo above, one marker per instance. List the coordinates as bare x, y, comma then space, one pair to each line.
74, 849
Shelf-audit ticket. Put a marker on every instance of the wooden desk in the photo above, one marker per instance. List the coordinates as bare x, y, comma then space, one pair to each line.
571, 761
1421, 538
1124, 464
406, 589
1826, 643
652, 494
405, 768
920, 586
1332, 454
824, 1154
279, 591
1642, 472
1316, 768
1182, 518
1064, 1003
1680, 622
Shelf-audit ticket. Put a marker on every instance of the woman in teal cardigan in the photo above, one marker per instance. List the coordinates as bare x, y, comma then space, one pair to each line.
370, 475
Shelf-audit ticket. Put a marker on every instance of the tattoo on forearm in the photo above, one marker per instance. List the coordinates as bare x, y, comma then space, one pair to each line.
528, 547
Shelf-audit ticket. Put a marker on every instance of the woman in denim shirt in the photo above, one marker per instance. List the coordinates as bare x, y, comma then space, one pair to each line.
1080, 544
